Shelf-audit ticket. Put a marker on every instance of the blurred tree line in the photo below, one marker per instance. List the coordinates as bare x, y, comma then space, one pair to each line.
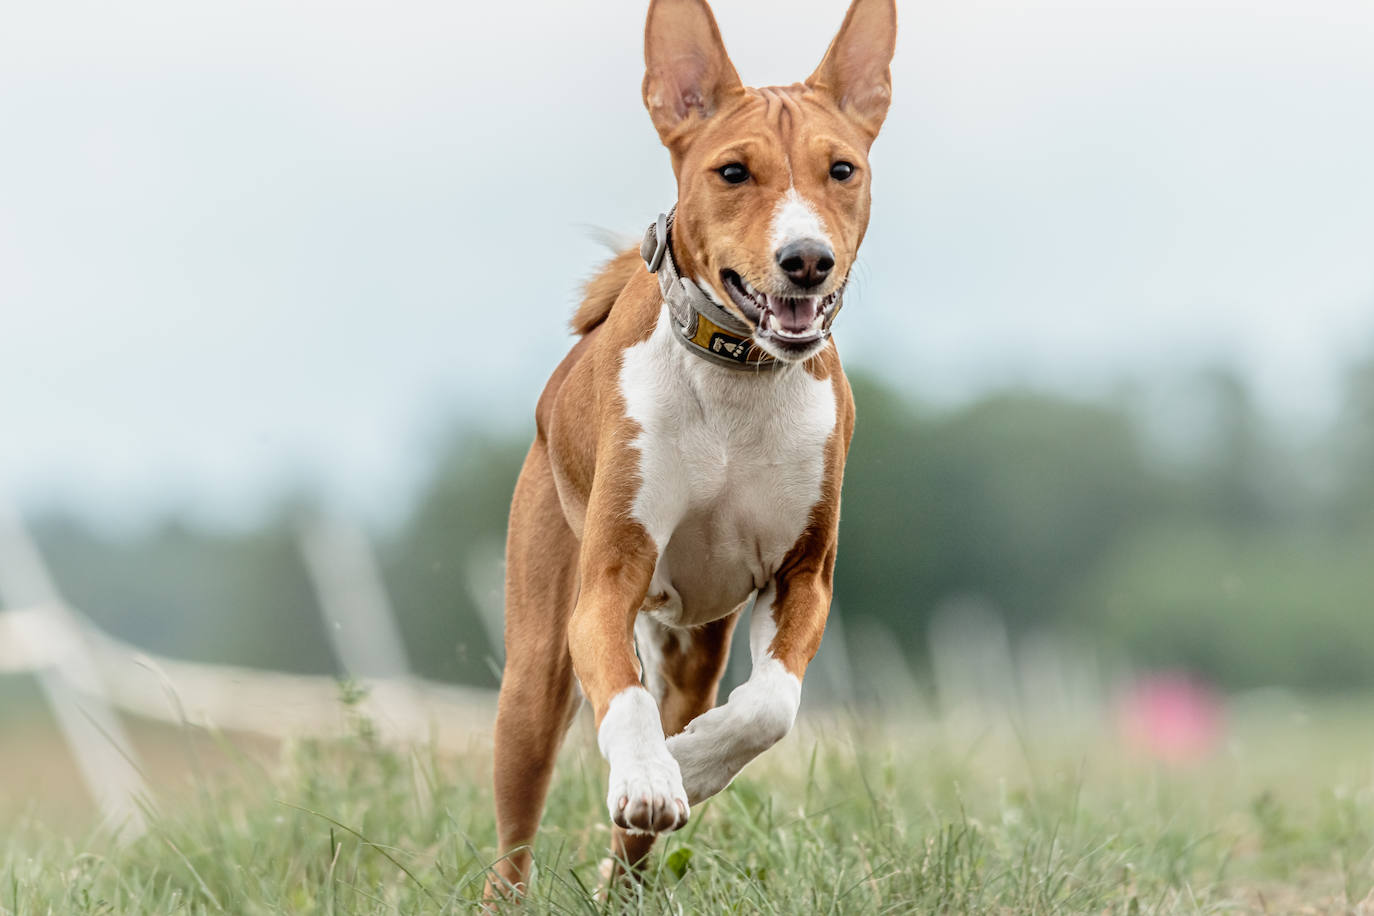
1247, 559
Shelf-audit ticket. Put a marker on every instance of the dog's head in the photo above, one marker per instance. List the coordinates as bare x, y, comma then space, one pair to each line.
773, 183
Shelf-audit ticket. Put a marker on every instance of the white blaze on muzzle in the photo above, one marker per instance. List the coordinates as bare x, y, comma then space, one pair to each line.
795, 220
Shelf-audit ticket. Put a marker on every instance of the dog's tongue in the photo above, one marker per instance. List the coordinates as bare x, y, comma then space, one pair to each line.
794, 315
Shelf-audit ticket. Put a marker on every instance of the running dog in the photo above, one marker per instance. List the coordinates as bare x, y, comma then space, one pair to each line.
690, 448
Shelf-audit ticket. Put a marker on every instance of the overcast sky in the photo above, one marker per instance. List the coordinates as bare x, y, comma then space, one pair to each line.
257, 242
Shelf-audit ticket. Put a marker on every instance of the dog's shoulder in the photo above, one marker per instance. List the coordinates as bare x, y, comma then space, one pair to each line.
622, 277
603, 289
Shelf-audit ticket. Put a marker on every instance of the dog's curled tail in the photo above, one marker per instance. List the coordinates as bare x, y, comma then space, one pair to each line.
603, 289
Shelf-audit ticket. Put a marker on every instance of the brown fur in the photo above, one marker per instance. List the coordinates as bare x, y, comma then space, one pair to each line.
578, 563
603, 289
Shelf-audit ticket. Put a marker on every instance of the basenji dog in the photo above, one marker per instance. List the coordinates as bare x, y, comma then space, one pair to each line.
690, 448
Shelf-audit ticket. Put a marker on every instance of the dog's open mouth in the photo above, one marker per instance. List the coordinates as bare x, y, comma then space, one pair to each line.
790, 322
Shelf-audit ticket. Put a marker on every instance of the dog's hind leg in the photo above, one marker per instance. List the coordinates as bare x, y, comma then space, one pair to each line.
682, 670
539, 696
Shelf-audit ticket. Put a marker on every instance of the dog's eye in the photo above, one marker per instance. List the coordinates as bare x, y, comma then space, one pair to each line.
734, 173
842, 171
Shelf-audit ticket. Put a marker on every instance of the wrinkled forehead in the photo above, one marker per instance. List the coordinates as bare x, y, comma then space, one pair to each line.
777, 129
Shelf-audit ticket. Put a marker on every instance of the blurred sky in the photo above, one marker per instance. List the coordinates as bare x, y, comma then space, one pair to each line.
245, 245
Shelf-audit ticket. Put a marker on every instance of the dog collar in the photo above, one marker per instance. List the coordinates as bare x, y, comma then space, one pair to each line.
702, 325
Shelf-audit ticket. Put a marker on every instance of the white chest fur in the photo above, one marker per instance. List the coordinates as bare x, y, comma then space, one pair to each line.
730, 466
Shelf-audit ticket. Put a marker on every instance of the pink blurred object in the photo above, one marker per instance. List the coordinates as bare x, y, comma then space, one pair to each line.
1172, 717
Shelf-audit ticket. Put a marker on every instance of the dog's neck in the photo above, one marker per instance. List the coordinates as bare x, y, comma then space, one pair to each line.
703, 326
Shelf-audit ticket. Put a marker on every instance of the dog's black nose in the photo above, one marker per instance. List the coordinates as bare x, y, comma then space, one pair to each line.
807, 263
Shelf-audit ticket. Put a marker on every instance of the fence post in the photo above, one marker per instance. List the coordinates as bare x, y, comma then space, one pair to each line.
359, 619
362, 628
51, 637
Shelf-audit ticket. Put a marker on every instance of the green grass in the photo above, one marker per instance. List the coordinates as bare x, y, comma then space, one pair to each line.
911, 816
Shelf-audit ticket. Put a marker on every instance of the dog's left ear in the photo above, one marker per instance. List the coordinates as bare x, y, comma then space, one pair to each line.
855, 70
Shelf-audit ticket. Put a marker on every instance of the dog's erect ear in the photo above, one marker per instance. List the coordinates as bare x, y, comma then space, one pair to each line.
687, 72
855, 69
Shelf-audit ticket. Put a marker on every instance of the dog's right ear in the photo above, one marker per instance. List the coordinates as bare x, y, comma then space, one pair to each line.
688, 75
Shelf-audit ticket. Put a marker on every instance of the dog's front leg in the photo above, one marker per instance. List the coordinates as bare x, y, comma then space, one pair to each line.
783, 637
645, 792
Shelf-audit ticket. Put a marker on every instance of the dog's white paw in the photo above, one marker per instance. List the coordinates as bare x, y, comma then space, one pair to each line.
705, 769
717, 744
646, 793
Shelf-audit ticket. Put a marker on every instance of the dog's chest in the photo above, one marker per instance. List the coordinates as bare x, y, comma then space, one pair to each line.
731, 465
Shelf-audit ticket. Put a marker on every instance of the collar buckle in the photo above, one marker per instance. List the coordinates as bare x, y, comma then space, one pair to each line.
657, 236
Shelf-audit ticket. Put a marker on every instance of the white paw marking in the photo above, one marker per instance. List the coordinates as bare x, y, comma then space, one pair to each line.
716, 745
646, 793
705, 769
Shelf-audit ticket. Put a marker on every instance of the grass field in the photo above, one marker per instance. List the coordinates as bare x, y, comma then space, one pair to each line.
913, 815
